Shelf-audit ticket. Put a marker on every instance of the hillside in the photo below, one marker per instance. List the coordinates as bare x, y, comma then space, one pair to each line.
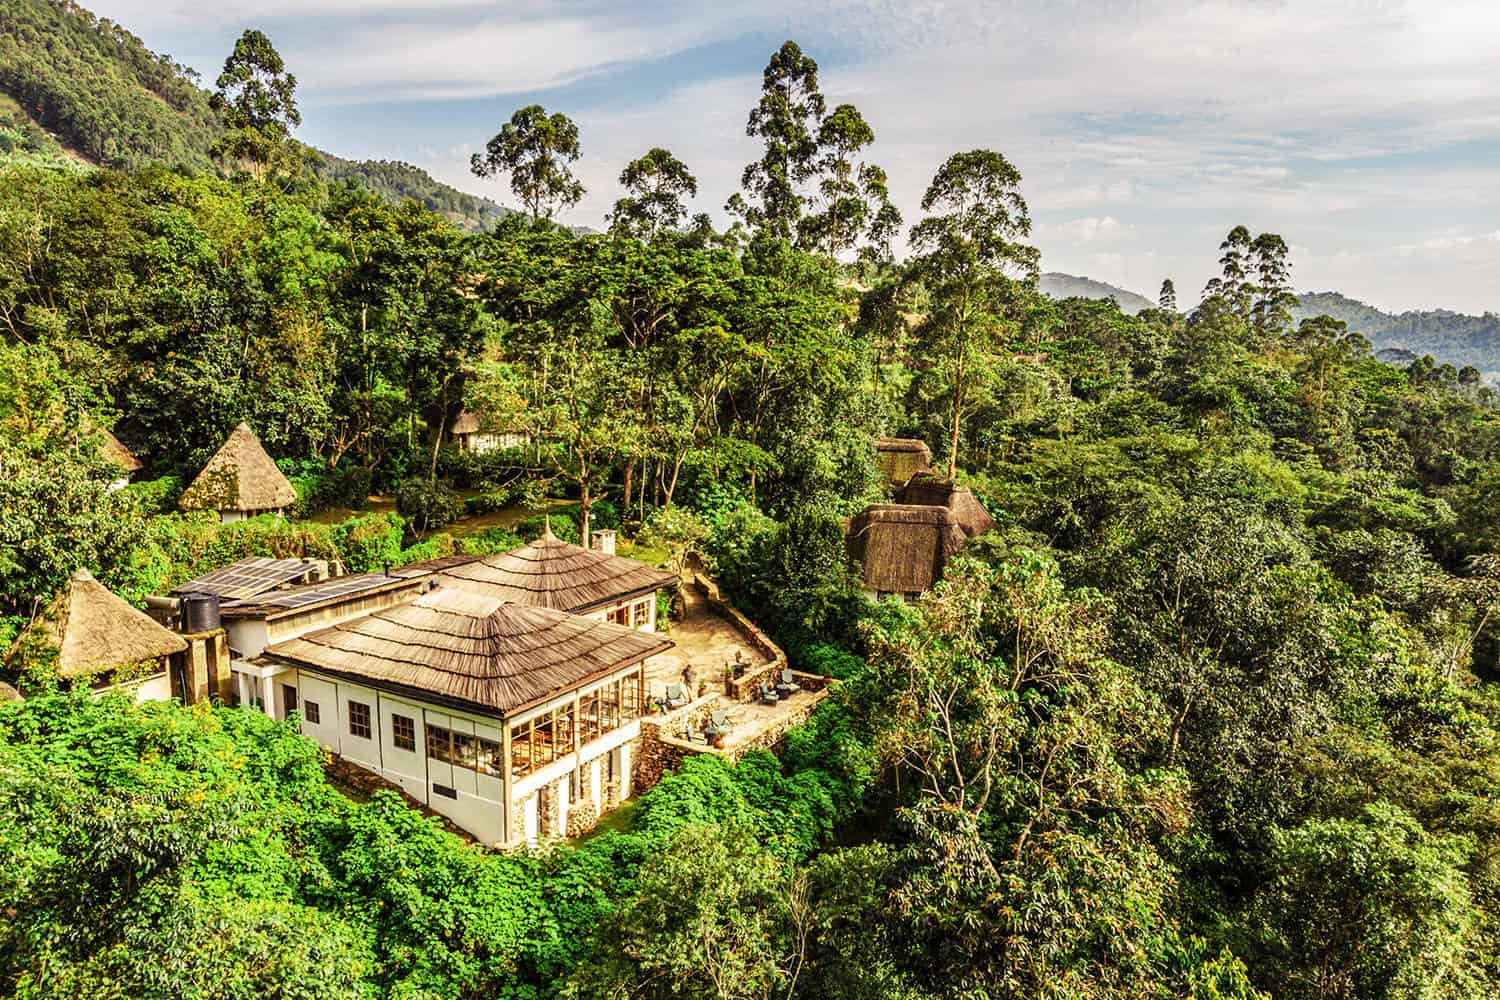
1453, 338
1057, 285
76, 86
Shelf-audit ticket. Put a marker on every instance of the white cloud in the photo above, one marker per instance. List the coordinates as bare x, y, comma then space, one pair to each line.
1356, 128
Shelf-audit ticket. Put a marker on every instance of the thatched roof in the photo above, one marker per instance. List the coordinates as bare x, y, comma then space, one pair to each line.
240, 476
550, 573
112, 448
903, 548
467, 422
94, 631
476, 650
929, 489
901, 458
9, 693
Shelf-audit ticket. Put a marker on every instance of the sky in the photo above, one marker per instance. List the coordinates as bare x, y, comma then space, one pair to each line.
1365, 132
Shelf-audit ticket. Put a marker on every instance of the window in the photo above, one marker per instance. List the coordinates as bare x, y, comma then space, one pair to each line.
288, 697
588, 717
463, 751
566, 743
444, 790
310, 712
630, 698
609, 707
439, 744
543, 739
619, 616
491, 758
641, 614
359, 720
404, 732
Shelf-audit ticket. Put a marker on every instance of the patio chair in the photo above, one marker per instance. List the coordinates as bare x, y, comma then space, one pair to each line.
676, 696
786, 687
768, 695
720, 721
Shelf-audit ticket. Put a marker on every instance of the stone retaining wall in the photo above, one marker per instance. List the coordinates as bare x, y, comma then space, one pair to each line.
746, 687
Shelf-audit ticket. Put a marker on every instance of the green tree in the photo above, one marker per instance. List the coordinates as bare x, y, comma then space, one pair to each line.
535, 148
1168, 298
971, 259
257, 100
714, 918
786, 121
1271, 313
854, 202
658, 184
1372, 906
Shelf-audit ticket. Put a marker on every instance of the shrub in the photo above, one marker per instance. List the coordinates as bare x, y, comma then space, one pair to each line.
436, 547
367, 544
157, 496
427, 505
563, 526
489, 541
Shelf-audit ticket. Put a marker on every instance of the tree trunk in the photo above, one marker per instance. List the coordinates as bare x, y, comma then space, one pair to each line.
629, 472
585, 504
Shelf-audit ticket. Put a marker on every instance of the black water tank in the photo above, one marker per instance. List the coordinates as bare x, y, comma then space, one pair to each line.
200, 613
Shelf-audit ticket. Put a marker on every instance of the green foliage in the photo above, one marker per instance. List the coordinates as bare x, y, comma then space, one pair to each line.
1372, 906
428, 504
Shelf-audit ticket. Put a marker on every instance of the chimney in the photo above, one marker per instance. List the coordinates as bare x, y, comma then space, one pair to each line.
604, 541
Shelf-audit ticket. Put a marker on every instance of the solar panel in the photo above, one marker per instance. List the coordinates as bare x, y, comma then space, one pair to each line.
247, 578
344, 586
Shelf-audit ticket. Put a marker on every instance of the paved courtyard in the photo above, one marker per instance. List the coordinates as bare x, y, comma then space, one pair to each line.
704, 640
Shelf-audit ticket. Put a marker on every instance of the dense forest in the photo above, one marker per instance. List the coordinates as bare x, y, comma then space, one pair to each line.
1212, 712
75, 85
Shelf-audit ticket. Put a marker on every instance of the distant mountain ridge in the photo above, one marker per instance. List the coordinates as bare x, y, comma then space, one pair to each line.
1057, 285
1450, 337
77, 87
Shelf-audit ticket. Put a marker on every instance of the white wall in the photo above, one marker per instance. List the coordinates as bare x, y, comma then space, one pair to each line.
325, 694
365, 752
478, 804
247, 637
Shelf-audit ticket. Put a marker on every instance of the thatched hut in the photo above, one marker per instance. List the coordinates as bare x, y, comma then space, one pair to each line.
901, 458
931, 490
115, 452
239, 481
500, 717
551, 573
902, 548
469, 434
8, 692
96, 634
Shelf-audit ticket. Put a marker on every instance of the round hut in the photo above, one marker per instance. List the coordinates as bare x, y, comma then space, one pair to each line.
95, 634
239, 481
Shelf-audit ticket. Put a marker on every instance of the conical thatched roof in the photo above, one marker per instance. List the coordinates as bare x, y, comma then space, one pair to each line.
903, 548
240, 476
929, 489
9, 693
94, 631
112, 448
550, 573
467, 422
473, 649
901, 458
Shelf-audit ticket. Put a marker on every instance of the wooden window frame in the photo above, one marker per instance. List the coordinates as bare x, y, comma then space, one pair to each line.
358, 709
404, 732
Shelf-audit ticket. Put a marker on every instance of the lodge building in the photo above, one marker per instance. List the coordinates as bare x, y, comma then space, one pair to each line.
504, 692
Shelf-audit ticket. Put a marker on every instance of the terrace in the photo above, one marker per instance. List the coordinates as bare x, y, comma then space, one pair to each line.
709, 636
